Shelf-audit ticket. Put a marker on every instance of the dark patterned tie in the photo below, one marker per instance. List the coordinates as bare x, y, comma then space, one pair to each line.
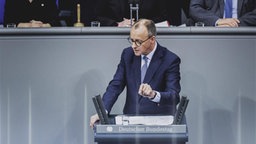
144, 68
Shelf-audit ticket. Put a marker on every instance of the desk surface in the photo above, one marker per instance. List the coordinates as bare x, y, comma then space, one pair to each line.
125, 31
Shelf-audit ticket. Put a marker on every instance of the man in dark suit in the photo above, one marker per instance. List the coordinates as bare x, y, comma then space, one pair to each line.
156, 93
211, 13
117, 12
31, 13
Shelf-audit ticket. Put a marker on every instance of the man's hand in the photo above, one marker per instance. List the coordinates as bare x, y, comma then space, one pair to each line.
34, 23
125, 23
146, 91
94, 119
228, 22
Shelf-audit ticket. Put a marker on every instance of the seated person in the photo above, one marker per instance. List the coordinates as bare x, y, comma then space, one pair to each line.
214, 13
31, 13
117, 12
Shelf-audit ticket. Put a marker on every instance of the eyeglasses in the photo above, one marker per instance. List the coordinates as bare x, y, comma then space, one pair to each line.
137, 42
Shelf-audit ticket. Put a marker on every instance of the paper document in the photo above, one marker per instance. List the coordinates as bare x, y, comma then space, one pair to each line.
162, 24
144, 120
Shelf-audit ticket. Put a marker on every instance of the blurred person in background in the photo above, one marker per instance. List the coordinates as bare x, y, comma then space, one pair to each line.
215, 12
31, 13
117, 12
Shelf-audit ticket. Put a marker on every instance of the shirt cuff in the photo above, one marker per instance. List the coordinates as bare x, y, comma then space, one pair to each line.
216, 23
157, 97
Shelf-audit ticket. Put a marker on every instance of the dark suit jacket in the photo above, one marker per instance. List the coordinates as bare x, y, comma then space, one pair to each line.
109, 12
174, 12
209, 11
162, 75
17, 11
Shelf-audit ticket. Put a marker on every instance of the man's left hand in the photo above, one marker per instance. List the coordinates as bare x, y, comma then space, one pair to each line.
146, 91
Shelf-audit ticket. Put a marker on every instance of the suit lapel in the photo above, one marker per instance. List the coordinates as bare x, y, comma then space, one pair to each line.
136, 67
221, 5
154, 64
137, 80
239, 7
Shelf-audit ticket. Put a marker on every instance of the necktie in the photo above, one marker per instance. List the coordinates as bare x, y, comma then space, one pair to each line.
228, 9
144, 68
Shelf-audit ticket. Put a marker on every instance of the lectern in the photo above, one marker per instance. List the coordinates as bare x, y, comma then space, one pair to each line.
143, 129
141, 134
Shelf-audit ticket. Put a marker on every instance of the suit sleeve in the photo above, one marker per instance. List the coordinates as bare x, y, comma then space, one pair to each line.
249, 16
158, 11
51, 14
172, 81
103, 14
116, 86
200, 11
10, 15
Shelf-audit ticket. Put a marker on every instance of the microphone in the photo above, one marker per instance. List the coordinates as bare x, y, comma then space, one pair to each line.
134, 8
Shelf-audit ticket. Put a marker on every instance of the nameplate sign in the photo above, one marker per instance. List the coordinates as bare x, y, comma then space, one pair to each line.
140, 129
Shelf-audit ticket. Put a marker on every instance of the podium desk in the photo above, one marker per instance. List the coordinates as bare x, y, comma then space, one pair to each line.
140, 138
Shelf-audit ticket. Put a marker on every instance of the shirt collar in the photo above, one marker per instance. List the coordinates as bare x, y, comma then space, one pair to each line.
150, 55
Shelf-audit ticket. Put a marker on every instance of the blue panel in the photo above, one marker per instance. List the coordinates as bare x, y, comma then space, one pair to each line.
1, 10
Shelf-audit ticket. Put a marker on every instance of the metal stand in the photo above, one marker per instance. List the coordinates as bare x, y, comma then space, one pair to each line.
132, 8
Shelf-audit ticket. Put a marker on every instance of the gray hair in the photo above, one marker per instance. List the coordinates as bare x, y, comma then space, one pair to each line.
149, 24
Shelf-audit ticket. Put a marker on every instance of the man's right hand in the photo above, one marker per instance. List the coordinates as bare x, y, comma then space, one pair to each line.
125, 23
94, 119
228, 22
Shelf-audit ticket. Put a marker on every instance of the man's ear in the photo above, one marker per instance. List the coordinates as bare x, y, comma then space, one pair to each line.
152, 39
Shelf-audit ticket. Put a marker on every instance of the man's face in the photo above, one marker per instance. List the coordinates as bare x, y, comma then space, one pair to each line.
141, 43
